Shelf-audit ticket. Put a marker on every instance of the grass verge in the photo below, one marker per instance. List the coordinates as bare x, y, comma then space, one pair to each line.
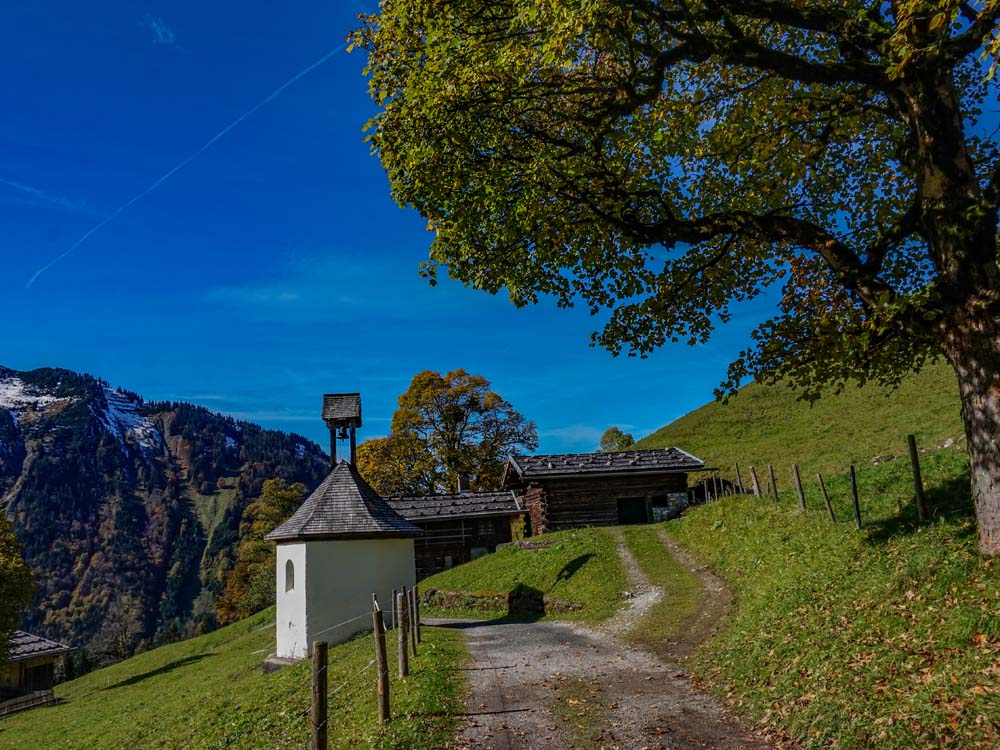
209, 693
887, 638
579, 566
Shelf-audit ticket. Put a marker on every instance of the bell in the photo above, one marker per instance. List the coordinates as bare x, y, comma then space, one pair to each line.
342, 435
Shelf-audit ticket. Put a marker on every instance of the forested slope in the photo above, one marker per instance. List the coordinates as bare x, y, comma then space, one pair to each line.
129, 511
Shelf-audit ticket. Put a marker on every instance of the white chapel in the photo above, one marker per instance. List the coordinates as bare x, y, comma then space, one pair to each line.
343, 544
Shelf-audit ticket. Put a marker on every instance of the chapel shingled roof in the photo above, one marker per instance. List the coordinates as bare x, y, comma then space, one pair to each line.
344, 506
27, 646
665, 460
342, 407
460, 505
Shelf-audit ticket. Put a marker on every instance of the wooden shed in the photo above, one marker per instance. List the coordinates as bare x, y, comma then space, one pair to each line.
27, 678
460, 527
601, 489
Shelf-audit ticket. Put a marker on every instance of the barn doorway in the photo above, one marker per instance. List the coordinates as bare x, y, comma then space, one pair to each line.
632, 510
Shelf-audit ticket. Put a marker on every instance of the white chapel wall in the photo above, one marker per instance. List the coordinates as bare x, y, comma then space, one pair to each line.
290, 616
341, 578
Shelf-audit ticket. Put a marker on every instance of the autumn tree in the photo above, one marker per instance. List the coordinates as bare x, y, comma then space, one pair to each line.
15, 584
445, 426
120, 632
663, 160
250, 585
614, 439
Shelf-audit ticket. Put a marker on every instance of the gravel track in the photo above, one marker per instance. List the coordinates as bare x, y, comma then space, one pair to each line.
649, 703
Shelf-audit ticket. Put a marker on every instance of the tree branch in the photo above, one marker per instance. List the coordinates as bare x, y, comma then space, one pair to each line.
972, 38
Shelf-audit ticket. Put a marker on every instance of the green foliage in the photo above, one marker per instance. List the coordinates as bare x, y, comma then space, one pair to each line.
565, 149
15, 584
614, 439
579, 566
250, 585
208, 693
884, 639
661, 162
445, 426
765, 424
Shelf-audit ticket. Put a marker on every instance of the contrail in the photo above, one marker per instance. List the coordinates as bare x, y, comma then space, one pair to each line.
180, 165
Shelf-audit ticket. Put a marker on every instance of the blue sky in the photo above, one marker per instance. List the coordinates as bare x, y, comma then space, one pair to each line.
274, 266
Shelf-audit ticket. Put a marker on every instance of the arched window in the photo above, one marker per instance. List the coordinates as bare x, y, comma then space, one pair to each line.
289, 576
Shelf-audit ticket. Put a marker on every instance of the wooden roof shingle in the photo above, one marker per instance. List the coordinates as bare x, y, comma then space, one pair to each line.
344, 506
342, 408
459, 505
667, 460
25, 646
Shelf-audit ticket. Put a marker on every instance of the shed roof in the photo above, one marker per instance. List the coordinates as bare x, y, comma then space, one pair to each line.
25, 646
659, 461
344, 506
459, 505
342, 408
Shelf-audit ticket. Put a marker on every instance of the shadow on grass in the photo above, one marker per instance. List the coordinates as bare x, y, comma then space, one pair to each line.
570, 569
194, 658
949, 499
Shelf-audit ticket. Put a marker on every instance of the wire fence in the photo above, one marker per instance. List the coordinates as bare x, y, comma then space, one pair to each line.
403, 620
715, 487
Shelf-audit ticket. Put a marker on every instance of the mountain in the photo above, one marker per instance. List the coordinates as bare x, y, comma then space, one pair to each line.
129, 510
765, 424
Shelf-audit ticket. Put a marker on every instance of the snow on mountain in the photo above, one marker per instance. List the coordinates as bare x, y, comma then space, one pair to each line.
16, 395
122, 418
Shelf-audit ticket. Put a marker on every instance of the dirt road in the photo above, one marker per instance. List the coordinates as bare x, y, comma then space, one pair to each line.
556, 686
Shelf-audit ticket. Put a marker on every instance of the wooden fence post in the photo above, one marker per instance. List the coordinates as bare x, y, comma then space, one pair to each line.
826, 498
403, 654
798, 487
918, 482
704, 489
774, 484
416, 612
854, 499
756, 483
319, 707
412, 619
381, 664
739, 480
715, 484
395, 612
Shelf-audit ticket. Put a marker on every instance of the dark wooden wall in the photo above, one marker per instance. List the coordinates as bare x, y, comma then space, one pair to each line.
455, 538
575, 502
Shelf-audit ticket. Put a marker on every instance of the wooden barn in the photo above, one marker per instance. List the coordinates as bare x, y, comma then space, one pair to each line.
26, 679
601, 489
459, 527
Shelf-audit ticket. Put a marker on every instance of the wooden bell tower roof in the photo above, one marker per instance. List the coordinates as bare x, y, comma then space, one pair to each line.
342, 409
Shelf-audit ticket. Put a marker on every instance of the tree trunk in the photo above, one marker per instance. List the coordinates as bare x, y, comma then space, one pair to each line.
973, 348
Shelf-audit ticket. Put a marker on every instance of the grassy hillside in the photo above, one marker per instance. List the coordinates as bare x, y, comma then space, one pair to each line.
762, 424
209, 693
579, 566
884, 638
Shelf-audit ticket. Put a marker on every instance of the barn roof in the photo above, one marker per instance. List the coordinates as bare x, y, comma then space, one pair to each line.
659, 461
459, 505
27, 646
342, 408
344, 506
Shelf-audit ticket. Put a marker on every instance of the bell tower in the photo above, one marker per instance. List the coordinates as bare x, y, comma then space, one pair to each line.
342, 414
